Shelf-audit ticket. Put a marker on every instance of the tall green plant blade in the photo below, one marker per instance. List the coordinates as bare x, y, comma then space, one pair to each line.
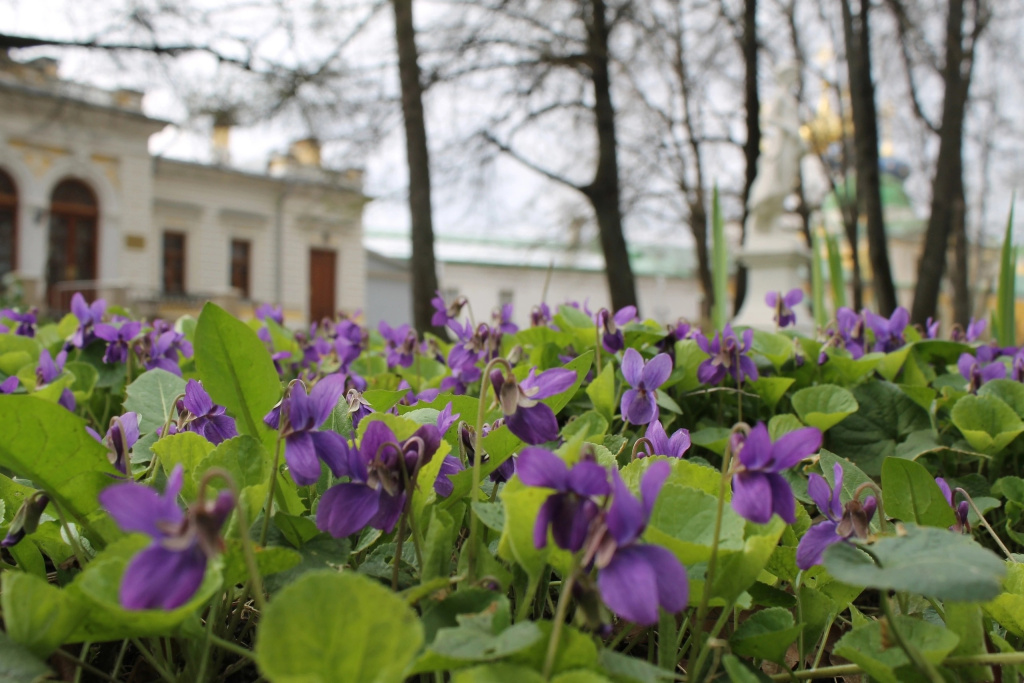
835, 272
1005, 324
720, 263
817, 280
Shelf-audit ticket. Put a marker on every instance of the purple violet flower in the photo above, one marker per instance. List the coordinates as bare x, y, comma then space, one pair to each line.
661, 444
525, 415
464, 369
26, 519
169, 572
50, 369
380, 473
298, 416
570, 510
26, 321
974, 330
635, 579
612, 339
840, 523
931, 328
962, 526
270, 312
358, 407
119, 439
888, 331
850, 332
758, 490
639, 403
727, 356
445, 313
983, 368
9, 385
400, 343
88, 315
783, 305
204, 417
502, 319
540, 315
118, 339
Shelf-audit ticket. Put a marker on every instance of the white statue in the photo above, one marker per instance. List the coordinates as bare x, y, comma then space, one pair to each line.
778, 165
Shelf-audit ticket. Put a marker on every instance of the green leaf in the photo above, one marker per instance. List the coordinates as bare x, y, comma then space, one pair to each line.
824, 406
270, 560
575, 317
911, 494
18, 665
885, 418
783, 424
438, 545
187, 449
48, 445
491, 514
383, 400
772, 389
842, 369
625, 668
249, 464
739, 570
866, 647
777, 348
766, 634
581, 365
497, 673
892, 363
369, 633
966, 621
1008, 607
712, 438
296, 530
453, 647
1009, 391
688, 358
85, 376
987, 423
602, 392
36, 614
319, 553
741, 672
236, 370
152, 396
591, 424
683, 520
932, 562
682, 472
522, 503
576, 650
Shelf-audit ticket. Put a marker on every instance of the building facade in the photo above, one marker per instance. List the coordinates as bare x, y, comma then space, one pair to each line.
85, 207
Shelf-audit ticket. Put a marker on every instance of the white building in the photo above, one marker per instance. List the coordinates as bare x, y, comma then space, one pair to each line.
84, 206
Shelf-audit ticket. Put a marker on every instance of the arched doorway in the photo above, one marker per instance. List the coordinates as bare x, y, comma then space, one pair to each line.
74, 233
8, 225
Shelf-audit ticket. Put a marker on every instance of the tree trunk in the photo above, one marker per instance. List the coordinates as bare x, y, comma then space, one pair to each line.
699, 227
424, 274
752, 147
865, 123
961, 252
603, 191
947, 185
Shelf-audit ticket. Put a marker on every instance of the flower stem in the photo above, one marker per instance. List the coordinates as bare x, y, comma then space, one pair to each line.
72, 538
231, 647
474, 522
709, 575
922, 664
556, 626
148, 656
270, 493
826, 672
988, 527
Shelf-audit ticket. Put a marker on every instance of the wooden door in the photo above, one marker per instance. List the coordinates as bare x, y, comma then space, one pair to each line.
73, 244
322, 272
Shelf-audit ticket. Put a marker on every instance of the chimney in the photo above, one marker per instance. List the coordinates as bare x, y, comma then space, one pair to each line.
220, 139
306, 152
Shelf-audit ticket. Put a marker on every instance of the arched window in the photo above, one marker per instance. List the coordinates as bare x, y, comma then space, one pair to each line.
74, 220
8, 224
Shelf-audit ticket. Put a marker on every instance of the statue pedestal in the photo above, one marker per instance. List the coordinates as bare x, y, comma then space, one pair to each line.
775, 263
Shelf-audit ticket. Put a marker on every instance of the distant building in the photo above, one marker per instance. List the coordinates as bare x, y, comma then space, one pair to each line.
524, 272
85, 207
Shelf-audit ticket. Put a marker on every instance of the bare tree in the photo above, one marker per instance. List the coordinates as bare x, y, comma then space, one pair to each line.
966, 20
556, 58
856, 28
